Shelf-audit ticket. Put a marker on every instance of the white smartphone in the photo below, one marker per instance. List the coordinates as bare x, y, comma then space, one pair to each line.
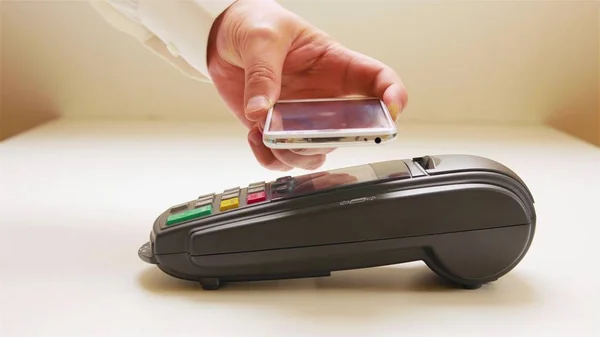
328, 123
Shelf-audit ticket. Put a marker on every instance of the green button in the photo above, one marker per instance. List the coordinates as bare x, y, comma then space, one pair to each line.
189, 215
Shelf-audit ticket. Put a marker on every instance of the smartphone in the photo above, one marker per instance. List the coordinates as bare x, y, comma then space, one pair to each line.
328, 123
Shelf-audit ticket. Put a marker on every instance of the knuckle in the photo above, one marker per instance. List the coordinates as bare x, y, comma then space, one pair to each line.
316, 162
273, 164
261, 72
263, 32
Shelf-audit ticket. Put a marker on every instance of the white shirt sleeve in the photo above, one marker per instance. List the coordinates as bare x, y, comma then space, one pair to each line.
176, 30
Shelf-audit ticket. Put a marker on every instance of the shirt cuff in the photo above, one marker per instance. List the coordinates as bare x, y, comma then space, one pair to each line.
184, 26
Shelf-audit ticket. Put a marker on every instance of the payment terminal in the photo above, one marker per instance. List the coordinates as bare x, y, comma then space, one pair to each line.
469, 219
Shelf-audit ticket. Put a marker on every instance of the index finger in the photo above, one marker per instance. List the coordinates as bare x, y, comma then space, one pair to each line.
367, 76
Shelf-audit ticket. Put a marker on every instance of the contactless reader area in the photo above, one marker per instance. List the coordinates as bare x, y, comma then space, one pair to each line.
468, 218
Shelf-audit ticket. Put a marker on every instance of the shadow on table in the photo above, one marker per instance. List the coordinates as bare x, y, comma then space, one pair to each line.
364, 290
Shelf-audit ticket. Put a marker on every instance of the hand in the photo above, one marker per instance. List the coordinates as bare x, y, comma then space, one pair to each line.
259, 52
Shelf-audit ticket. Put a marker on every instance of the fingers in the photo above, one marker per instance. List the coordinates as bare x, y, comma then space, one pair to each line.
310, 152
263, 54
392, 93
276, 124
263, 154
281, 160
368, 76
306, 162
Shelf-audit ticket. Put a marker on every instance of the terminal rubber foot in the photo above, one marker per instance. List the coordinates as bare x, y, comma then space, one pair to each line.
210, 283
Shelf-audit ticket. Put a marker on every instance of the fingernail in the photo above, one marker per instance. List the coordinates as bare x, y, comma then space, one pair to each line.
257, 103
255, 138
394, 109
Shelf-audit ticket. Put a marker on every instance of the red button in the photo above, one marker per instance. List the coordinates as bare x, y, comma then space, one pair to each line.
256, 197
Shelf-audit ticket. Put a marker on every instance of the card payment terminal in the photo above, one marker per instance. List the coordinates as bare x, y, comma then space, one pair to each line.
469, 219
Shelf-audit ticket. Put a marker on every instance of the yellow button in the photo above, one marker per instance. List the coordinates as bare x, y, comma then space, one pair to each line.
229, 204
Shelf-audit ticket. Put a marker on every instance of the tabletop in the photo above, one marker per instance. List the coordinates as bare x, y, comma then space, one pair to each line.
78, 198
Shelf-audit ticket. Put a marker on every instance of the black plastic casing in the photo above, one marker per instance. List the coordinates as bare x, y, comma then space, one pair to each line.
470, 219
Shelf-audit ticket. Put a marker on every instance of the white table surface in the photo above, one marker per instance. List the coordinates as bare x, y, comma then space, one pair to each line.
77, 200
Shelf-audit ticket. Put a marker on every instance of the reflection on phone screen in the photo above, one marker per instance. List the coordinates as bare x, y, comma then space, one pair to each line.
328, 115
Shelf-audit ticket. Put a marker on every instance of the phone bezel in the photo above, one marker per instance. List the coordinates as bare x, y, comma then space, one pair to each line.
324, 143
362, 132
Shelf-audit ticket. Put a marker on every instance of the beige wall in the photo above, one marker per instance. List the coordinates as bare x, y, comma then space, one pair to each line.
24, 104
462, 61
581, 115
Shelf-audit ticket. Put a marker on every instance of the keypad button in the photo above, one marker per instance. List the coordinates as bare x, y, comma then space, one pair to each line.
179, 208
203, 202
255, 189
228, 204
230, 195
256, 197
206, 196
284, 189
260, 183
282, 180
189, 215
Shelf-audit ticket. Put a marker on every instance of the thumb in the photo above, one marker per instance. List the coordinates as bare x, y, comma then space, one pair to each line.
263, 63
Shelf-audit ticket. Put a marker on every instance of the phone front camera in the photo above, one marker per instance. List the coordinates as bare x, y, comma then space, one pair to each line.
377, 140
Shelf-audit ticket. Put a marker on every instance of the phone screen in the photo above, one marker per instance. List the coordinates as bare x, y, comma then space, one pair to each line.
329, 115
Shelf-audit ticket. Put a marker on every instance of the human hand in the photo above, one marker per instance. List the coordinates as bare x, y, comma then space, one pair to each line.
259, 52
